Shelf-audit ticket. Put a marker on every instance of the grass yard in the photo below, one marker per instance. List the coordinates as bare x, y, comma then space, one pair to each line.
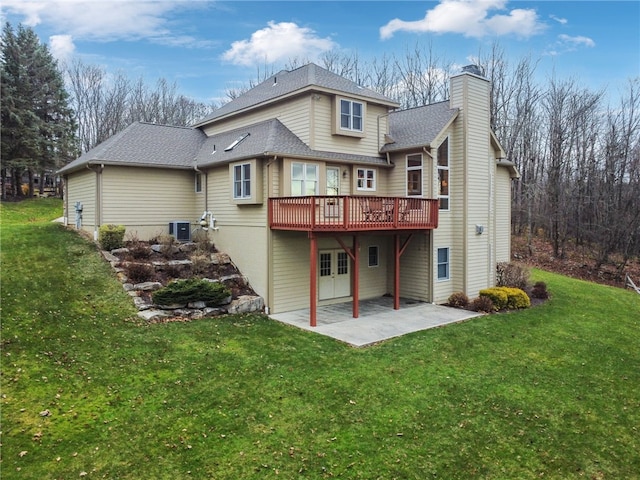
551, 392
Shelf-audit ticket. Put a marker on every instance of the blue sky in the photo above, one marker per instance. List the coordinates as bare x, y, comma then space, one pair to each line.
209, 46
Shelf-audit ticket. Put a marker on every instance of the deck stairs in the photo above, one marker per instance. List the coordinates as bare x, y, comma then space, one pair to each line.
630, 284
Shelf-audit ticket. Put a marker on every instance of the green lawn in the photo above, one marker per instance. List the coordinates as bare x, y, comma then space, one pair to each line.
551, 392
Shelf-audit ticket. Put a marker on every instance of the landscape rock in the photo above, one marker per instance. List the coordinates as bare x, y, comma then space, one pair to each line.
141, 304
153, 315
198, 304
109, 257
246, 304
214, 312
147, 286
220, 258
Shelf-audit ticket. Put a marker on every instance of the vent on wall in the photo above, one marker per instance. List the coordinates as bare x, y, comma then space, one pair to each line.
181, 230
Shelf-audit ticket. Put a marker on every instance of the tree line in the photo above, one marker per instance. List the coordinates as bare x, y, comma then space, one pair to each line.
577, 151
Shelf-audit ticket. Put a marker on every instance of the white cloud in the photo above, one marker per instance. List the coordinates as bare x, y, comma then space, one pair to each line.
61, 47
470, 18
561, 21
578, 41
104, 20
278, 42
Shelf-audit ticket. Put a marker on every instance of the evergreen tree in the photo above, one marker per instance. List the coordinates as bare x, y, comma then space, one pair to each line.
38, 131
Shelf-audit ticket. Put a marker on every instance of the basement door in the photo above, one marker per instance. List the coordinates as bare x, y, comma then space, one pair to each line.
334, 278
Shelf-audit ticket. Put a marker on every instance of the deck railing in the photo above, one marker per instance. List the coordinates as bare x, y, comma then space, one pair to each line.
352, 213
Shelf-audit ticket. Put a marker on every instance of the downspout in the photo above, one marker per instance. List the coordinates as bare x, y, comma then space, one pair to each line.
98, 205
269, 300
206, 186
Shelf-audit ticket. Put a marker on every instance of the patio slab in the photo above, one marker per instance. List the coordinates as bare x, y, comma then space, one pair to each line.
377, 320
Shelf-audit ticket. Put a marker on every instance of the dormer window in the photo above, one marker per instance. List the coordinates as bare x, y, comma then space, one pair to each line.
351, 114
349, 117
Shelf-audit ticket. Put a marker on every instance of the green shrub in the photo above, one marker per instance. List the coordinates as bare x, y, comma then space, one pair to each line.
191, 290
497, 295
507, 297
111, 237
482, 304
510, 274
458, 300
517, 298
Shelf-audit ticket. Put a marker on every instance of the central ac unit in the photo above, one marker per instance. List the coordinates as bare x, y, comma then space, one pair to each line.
181, 230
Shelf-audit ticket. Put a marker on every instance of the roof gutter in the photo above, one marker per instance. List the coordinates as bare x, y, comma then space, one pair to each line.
205, 187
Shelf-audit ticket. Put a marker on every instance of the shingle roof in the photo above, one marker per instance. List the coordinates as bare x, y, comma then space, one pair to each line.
266, 138
145, 144
418, 127
287, 82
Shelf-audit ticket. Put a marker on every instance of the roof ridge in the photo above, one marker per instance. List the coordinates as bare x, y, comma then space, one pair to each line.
164, 125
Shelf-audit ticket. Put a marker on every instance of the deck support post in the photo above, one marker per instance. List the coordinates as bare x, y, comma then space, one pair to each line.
396, 272
313, 276
356, 277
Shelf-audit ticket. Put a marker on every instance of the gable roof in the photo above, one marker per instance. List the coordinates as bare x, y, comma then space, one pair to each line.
418, 127
289, 82
144, 144
266, 139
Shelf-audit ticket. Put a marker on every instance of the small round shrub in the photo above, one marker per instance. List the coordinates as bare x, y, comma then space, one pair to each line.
539, 290
507, 297
139, 272
191, 290
517, 299
111, 237
482, 304
497, 295
458, 300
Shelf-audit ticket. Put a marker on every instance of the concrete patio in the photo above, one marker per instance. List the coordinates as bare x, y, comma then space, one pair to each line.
378, 320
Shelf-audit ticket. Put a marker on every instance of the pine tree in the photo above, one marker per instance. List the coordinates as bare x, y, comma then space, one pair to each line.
38, 131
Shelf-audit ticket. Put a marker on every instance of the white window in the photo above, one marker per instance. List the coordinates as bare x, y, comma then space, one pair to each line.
443, 263
443, 174
198, 182
374, 259
242, 181
414, 175
351, 115
366, 179
304, 179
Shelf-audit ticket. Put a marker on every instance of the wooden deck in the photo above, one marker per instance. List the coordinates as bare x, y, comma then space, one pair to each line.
352, 213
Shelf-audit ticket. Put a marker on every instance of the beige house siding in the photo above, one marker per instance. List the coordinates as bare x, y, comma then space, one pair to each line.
242, 229
374, 281
325, 140
414, 268
502, 210
290, 276
145, 200
81, 187
294, 114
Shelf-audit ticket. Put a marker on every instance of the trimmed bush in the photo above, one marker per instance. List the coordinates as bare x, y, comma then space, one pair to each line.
111, 237
482, 304
191, 290
540, 290
458, 300
510, 274
497, 295
507, 297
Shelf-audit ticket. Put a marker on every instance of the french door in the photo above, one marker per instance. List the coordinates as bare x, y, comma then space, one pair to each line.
334, 278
